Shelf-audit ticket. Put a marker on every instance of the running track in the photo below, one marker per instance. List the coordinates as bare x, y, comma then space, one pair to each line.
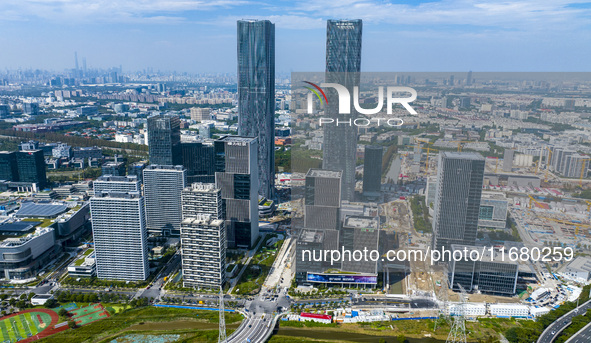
49, 329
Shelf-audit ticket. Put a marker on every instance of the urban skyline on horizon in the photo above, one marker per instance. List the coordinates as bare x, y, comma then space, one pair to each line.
411, 36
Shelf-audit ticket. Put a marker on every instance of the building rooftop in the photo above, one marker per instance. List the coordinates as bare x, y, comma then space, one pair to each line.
31, 209
111, 178
162, 167
120, 195
236, 139
361, 222
580, 263
17, 227
463, 155
311, 236
201, 187
324, 173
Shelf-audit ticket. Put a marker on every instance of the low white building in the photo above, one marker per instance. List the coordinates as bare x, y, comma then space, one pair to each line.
538, 311
579, 269
470, 309
509, 310
40, 299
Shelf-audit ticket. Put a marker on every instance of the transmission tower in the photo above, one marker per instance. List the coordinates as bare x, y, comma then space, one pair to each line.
444, 314
457, 333
222, 335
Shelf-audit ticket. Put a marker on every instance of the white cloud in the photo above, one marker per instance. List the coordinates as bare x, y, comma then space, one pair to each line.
136, 11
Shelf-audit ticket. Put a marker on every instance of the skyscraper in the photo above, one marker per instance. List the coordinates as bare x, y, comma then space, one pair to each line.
372, 170
200, 113
256, 94
202, 198
164, 139
237, 176
322, 199
8, 166
110, 183
469, 78
457, 201
203, 237
508, 160
163, 186
120, 238
198, 160
343, 64
31, 167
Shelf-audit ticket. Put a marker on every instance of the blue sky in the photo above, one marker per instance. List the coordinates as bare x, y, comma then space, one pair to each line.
200, 35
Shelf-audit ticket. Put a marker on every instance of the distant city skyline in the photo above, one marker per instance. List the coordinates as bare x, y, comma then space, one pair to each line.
193, 36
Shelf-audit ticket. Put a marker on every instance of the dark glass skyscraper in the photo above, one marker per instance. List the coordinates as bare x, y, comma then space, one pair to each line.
164, 139
457, 201
198, 160
8, 168
31, 167
256, 94
343, 64
236, 175
372, 170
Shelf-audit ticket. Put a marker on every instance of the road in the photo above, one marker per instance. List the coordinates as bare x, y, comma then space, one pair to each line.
583, 336
554, 329
155, 289
260, 314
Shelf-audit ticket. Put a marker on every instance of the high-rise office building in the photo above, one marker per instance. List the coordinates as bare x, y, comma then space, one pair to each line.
237, 176
200, 113
202, 198
8, 166
199, 162
256, 94
359, 233
120, 238
163, 186
457, 201
137, 169
111, 183
31, 167
113, 168
203, 237
164, 139
343, 64
322, 199
469, 78
576, 165
372, 170
203, 248
508, 160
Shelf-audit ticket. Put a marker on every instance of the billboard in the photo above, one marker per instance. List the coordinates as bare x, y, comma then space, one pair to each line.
342, 278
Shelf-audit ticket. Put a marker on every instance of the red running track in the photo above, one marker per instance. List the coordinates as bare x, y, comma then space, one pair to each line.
49, 329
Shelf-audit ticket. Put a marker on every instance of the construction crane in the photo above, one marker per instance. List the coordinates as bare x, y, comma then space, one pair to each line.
532, 199
496, 165
577, 226
428, 148
548, 159
460, 144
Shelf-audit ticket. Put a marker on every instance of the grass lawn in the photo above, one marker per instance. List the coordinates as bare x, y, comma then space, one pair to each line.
23, 326
146, 320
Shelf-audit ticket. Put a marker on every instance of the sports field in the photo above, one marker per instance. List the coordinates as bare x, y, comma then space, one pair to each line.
88, 314
23, 325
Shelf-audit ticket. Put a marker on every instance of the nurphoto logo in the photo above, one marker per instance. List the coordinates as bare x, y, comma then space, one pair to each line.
344, 98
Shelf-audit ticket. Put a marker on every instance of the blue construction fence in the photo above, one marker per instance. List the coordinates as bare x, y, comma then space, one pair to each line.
193, 307
415, 318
